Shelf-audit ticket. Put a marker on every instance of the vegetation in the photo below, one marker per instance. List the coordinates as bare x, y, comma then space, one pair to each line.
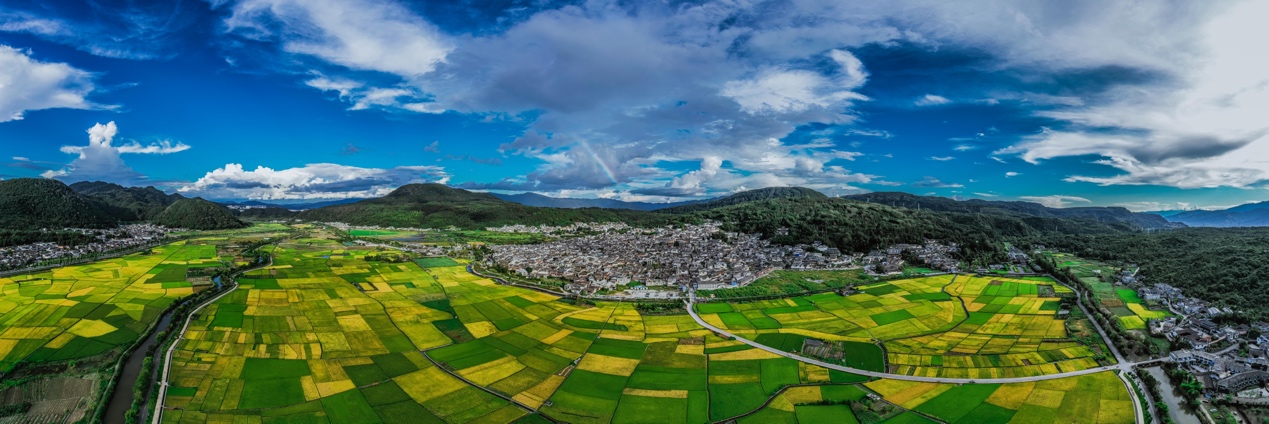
439, 206
1229, 266
962, 326
1114, 217
198, 214
748, 196
127, 203
36, 203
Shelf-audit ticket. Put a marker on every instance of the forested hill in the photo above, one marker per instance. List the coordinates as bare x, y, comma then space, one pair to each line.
1113, 216
127, 203
30, 204
197, 214
439, 206
747, 196
861, 226
1226, 265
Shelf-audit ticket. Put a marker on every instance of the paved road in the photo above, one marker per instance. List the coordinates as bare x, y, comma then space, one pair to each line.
167, 363
691, 311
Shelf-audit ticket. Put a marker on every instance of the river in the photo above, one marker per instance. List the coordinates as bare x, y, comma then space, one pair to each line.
121, 399
1173, 398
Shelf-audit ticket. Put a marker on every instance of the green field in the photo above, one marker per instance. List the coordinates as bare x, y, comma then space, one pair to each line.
962, 326
1130, 310
85, 310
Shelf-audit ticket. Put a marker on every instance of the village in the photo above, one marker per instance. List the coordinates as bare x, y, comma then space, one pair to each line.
702, 257
108, 240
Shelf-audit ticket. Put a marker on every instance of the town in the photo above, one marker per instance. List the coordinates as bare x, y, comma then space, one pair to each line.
108, 240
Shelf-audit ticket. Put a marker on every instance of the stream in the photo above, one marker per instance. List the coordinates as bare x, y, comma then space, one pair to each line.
1172, 397
121, 399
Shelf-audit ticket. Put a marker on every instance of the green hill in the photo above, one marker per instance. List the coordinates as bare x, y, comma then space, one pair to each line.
127, 203
36, 203
197, 214
747, 196
439, 206
1099, 216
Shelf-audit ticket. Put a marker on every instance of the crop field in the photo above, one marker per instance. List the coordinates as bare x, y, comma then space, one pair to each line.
965, 327
324, 336
1099, 397
84, 310
1124, 303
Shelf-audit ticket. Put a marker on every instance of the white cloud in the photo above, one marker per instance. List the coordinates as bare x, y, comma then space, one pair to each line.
931, 182
942, 158
1056, 201
1011, 174
375, 35
984, 194
313, 181
21, 159
27, 84
931, 100
964, 147
787, 91
1202, 126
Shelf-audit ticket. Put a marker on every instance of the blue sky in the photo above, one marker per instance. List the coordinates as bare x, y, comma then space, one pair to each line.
1150, 106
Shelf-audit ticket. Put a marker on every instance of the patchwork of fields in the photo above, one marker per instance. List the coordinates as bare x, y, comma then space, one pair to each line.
325, 336
1129, 309
944, 326
1099, 398
84, 310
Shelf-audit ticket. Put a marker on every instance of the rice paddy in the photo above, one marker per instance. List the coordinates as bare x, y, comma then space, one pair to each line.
943, 326
1129, 309
85, 310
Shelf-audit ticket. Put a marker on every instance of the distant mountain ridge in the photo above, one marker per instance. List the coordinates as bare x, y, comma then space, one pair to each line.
1105, 215
538, 200
1248, 215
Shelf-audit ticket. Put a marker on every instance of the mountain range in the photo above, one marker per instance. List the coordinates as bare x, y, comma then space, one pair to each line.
538, 200
1248, 215
783, 214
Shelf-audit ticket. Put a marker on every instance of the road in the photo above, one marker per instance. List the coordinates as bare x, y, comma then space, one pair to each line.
167, 362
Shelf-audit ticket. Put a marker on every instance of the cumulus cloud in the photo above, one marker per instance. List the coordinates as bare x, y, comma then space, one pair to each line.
28, 84
313, 181
1011, 174
100, 160
1056, 201
931, 100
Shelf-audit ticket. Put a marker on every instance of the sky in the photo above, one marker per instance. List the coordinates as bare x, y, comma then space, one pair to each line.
1147, 105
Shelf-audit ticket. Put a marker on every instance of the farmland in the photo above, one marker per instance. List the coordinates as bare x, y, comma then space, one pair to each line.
323, 335
1129, 310
942, 326
63, 329
1099, 397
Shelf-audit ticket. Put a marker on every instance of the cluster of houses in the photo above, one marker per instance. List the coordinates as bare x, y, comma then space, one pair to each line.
575, 228
933, 254
697, 256
108, 240
1227, 358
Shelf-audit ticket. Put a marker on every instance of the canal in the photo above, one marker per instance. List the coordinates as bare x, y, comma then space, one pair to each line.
121, 399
